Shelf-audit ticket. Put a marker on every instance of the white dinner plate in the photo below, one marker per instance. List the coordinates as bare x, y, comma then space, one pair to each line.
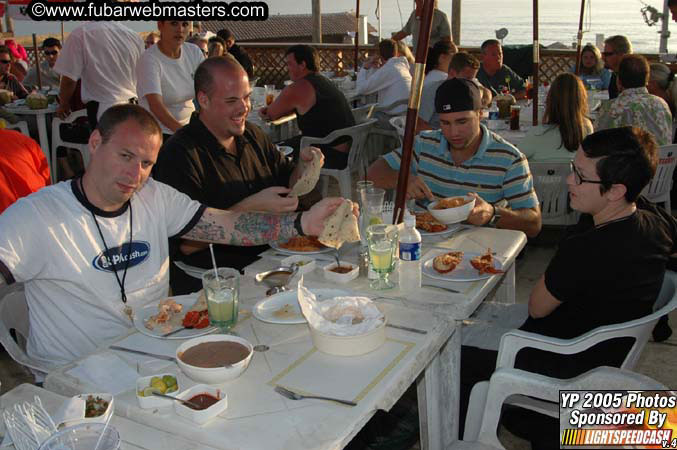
277, 248
143, 313
265, 309
450, 229
463, 272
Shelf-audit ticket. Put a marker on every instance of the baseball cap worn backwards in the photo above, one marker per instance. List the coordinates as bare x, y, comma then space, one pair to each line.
456, 95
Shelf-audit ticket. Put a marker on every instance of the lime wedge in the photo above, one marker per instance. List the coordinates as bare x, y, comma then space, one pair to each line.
375, 221
147, 392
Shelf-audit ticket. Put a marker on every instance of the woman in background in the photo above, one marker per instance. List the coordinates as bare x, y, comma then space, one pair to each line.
593, 72
437, 65
662, 84
565, 122
165, 76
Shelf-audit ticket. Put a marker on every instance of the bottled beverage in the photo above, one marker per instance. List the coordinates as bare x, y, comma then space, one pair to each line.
493, 116
410, 255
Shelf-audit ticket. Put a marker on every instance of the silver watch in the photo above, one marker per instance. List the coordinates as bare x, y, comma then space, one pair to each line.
495, 218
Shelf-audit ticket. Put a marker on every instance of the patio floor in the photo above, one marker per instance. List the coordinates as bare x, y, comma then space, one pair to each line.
659, 360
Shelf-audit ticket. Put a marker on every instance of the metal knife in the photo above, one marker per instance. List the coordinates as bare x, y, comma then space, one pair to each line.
139, 352
400, 327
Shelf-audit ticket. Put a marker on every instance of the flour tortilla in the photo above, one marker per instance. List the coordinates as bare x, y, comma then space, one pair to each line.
310, 176
340, 227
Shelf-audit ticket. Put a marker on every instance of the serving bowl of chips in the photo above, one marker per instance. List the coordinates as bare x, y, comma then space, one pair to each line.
452, 209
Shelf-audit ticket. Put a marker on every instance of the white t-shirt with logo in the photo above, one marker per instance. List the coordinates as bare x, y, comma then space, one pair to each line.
50, 242
171, 78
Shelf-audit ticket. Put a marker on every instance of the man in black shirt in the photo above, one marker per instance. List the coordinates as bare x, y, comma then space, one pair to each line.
608, 269
615, 47
237, 51
222, 161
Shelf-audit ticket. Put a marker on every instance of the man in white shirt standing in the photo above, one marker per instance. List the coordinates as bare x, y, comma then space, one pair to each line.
387, 74
104, 56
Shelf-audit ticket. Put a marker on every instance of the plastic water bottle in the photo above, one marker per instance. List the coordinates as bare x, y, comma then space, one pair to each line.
493, 117
410, 255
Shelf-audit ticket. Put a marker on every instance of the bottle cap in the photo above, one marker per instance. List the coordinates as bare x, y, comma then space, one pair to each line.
409, 219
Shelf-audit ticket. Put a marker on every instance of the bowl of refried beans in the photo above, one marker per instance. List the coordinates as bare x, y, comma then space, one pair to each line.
215, 358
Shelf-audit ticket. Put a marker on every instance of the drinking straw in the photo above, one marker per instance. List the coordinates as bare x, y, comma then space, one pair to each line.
216, 272
105, 427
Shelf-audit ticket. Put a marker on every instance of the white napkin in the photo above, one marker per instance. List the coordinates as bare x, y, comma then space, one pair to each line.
106, 371
335, 316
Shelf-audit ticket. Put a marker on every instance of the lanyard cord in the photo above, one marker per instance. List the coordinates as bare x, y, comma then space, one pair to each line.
123, 296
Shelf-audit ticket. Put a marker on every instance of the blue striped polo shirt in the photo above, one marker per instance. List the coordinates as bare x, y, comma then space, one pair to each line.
496, 171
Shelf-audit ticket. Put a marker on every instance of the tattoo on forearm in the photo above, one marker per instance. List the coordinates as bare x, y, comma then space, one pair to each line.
244, 229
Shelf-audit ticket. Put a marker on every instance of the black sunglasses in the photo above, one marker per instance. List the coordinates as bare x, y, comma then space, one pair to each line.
5, 61
608, 53
51, 53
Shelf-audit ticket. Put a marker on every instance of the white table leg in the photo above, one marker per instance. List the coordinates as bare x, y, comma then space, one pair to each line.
438, 392
506, 290
44, 141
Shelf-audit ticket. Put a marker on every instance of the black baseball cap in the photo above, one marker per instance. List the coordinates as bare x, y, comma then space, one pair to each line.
456, 95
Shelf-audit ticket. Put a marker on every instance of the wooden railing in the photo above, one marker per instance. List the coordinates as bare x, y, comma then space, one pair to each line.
271, 68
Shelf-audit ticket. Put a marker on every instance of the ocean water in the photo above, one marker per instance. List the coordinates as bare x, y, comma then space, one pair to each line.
558, 19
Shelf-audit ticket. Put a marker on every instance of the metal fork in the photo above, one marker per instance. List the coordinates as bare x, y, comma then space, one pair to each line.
295, 396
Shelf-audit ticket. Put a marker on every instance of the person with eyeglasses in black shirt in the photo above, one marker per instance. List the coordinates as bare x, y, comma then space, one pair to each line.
615, 47
51, 47
7, 80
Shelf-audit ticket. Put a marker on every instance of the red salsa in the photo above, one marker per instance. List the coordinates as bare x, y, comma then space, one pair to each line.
204, 401
341, 269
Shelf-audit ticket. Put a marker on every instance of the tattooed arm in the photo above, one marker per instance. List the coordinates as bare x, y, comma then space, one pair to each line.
251, 228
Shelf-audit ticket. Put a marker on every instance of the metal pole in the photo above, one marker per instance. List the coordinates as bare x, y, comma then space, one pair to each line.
579, 38
317, 21
412, 110
380, 34
536, 78
456, 21
665, 33
357, 32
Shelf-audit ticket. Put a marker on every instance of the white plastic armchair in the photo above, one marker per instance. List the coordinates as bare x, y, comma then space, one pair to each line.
356, 158
363, 113
550, 184
57, 141
399, 123
507, 382
515, 340
658, 190
14, 315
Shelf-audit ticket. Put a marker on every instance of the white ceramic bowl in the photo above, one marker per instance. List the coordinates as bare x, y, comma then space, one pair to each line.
308, 267
103, 418
341, 277
452, 215
205, 415
214, 375
349, 345
155, 401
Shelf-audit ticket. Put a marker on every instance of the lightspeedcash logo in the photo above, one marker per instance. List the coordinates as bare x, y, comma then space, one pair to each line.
43, 10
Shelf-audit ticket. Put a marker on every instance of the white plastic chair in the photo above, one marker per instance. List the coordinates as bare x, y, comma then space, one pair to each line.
658, 190
57, 141
14, 315
514, 341
356, 157
21, 126
507, 382
363, 113
550, 184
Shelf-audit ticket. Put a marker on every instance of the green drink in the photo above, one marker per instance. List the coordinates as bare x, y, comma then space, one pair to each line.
382, 244
222, 297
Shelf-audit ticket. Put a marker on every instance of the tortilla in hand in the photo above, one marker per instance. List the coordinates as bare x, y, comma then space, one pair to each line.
309, 178
340, 227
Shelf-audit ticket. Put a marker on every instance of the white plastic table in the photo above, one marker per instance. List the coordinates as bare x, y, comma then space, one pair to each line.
438, 429
259, 418
134, 436
41, 120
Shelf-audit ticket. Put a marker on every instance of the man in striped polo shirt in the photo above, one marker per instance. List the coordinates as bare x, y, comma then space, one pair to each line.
464, 157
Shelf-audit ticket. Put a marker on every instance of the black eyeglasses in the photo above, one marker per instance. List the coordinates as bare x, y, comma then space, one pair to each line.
5, 61
51, 53
579, 178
